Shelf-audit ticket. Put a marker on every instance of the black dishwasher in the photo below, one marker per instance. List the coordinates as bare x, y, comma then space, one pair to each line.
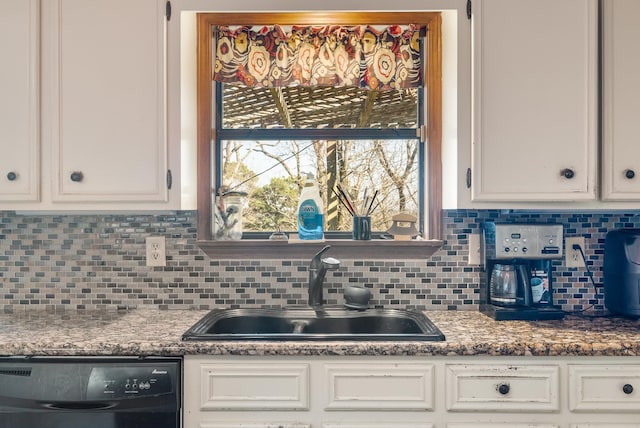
90, 392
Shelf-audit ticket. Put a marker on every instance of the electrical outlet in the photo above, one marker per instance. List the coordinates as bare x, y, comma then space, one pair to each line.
573, 258
156, 251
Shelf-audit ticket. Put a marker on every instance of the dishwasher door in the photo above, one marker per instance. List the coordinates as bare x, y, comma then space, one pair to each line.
95, 393
79, 419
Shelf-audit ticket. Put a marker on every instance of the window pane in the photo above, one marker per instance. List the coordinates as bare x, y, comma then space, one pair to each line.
318, 107
272, 173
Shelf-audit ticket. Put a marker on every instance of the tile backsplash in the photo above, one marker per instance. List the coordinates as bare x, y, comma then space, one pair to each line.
98, 261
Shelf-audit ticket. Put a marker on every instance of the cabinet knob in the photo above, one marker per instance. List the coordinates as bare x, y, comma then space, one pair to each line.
627, 388
567, 173
629, 173
503, 388
12, 176
77, 176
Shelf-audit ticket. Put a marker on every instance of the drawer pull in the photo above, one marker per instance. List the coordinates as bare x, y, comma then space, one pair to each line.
629, 174
503, 388
76, 176
12, 176
627, 389
567, 173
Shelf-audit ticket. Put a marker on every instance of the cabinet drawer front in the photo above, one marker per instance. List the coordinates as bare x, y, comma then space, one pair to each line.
506, 424
270, 386
379, 386
377, 425
604, 388
507, 388
603, 425
254, 425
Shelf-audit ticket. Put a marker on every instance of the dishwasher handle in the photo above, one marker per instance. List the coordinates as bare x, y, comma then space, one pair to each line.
79, 405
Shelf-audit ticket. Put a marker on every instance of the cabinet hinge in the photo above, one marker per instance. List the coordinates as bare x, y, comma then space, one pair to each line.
469, 9
169, 179
167, 10
468, 178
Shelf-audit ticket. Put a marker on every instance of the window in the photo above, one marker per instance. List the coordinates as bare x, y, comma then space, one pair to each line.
365, 141
361, 138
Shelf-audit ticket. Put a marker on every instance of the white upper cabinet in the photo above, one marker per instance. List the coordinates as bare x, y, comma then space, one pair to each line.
534, 107
83, 111
621, 100
108, 127
19, 100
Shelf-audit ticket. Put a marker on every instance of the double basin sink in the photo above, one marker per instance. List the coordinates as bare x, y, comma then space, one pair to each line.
306, 323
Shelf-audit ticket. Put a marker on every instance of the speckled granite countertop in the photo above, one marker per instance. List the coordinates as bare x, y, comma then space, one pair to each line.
152, 332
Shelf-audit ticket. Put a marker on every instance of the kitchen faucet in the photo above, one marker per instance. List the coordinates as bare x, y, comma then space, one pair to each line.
317, 270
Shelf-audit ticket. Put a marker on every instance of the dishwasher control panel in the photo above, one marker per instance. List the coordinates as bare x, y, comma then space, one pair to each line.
110, 382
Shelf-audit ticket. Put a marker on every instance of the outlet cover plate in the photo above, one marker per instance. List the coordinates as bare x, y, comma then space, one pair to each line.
156, 254
573, 258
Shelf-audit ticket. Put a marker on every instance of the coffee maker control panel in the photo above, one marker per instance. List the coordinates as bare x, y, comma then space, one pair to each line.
523, 241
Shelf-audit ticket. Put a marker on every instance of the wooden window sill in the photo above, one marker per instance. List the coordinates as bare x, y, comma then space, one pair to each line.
375, 249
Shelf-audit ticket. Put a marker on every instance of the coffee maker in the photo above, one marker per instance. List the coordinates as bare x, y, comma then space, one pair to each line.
518, 270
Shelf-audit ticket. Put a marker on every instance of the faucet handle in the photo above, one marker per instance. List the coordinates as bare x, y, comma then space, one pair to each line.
321, 252
315, 261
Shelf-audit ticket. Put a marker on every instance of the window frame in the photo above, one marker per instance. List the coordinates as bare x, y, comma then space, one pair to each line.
206, 110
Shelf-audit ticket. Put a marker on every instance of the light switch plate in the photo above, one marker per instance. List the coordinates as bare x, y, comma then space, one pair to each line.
473, 259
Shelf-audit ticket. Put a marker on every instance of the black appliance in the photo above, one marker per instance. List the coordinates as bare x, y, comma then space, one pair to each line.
518, 267
90, 392
622, 272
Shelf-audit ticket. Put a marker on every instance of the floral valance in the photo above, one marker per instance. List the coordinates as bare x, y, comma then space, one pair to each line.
362, 56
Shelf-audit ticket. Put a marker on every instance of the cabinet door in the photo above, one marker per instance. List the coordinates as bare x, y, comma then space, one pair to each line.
109, 139
19, 102
621, 100
534, 113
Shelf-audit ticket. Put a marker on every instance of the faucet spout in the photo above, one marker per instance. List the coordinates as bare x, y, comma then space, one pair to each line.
317, 271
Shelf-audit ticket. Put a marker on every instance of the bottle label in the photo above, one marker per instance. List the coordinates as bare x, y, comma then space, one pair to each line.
308, 216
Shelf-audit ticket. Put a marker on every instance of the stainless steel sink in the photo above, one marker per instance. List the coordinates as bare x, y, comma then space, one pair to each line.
305, 323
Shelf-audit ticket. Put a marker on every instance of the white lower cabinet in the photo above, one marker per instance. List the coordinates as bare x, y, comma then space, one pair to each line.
308, 392
411, 392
